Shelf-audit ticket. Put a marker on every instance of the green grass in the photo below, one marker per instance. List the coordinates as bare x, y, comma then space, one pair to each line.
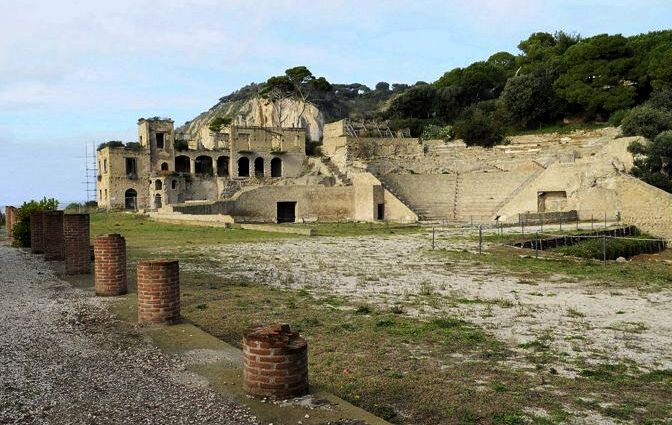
597, 247
360, 229
643, 275
143, 233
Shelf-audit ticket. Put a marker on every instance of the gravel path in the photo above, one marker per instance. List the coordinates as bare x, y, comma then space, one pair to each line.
63, 360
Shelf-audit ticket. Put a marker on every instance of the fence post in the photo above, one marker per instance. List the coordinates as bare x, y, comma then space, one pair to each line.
561, 223
604, 247
536, 245
542, 224
522, 226
592, 222
605, 220
433, 241
480, 239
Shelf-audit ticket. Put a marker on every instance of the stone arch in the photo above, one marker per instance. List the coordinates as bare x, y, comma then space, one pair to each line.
204, 165
131, 199
276, 167
164, 166
243, 167
259, 167
158, 184
223, 166
182, 164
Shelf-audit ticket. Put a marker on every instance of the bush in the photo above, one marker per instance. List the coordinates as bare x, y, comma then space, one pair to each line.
133, 146
617, 117
651, 161
432, 131
111, 144
477, 127
21, 232
661, 100
646, 121
218, 122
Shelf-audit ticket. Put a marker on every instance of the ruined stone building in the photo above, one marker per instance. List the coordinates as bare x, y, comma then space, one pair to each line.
368, 173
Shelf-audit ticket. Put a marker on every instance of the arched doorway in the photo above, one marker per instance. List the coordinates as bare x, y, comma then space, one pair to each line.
182, 164
164, 166
204, 165
276, 167
223, 166
243, 167
158, 201
158, 185
259, 167
131, 199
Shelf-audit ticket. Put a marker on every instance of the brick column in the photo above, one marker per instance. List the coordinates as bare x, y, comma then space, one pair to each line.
77, 244
159, 291
110, 264
275, 362
36, 233
10, 220
52, 226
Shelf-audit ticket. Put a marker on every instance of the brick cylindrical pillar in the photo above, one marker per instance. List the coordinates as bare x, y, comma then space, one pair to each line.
275, 362
77, 244
159, 291
110, 264
10, 220
36, 233
52, 226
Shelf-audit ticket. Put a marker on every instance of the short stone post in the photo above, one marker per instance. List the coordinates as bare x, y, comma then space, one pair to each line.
159, 292
36, 233
52, 226
10, 220
77, 244
110, 265
275, 362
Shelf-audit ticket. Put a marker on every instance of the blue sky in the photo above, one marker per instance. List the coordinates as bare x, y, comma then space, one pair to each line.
75, 71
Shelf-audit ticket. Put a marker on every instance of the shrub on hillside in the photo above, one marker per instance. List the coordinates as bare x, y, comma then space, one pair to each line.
433, 132
646, 121
616, 118
478, 127
652, 162
661, 100
21, 232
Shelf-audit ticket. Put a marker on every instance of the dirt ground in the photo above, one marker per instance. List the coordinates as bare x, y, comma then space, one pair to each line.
585, 322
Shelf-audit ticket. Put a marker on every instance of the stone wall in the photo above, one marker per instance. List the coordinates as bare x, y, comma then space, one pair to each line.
37, 233
114, 182
645, 206
10, 219
52, 226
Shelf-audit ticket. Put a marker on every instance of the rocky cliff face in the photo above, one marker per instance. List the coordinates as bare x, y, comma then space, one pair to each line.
257, 111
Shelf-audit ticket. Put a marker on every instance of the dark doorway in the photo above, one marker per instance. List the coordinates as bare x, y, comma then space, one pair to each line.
286, 212
276, 167
243, 167
182, 164
223, 166
380, 212
160, 141
164, 166
204, 166
157, 201
259, 167
131, 199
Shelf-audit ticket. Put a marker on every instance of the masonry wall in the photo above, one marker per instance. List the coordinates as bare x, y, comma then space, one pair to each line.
10, 219
77, 244
645, 206
37, 233
158, 291
110, 265
114, 182
52, 226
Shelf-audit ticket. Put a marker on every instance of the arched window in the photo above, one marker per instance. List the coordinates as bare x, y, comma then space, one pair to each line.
131, 199
223, 166
276, 167
243, 167
158, 201
174, 184
259, 167
204, 165
182, 164
164, 166
158, 185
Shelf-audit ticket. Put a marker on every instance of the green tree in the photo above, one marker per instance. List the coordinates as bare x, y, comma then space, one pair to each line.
478, 126
530, 99
653, 161
646, 121
597, 75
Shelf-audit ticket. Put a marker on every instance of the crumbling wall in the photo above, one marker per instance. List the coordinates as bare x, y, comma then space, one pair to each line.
645, 206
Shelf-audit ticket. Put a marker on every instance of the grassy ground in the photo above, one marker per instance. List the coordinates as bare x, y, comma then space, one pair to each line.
645, 276
359, 229
409, 371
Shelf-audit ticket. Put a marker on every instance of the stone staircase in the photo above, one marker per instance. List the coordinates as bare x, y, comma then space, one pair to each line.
230, 188
336, 171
